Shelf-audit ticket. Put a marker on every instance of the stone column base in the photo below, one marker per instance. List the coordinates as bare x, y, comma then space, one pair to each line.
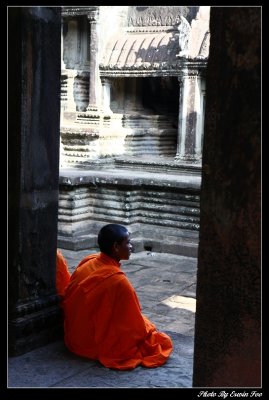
35, 324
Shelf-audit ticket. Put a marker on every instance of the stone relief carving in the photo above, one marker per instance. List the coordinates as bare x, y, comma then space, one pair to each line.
184, 29
74, 11
70, 43
204, 50
155, 16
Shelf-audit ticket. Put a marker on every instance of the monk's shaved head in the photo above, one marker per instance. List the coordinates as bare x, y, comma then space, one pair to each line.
110, 234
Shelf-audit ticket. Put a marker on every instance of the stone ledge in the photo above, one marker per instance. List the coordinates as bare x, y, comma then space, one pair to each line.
160, 165
77, 177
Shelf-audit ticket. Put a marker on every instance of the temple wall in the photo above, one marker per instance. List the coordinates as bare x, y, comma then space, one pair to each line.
133, 102
105, 74
160, 213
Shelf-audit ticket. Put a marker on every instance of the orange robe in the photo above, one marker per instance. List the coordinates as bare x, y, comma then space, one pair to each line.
103, 319
62, 274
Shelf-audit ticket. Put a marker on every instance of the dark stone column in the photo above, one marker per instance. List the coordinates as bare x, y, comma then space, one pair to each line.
228, 315
34, 122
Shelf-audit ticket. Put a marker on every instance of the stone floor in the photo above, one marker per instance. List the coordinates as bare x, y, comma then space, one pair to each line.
166, 287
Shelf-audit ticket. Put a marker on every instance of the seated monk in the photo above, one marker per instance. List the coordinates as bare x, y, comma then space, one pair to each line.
103, 319
62, 274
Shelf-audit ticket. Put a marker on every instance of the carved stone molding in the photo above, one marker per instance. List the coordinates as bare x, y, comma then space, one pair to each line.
76, 11
93, 16
105, 81
150, 29
204, 50
155, 16
192, 68
180, 67
190, 74
138, 73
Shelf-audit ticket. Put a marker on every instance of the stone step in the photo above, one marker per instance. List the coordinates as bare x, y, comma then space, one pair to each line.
80, 242
184, 247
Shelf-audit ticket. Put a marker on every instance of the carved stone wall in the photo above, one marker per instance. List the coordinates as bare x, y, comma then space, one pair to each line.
141, 116
149, 136
199, 39
162, 213
157, 15
142, 42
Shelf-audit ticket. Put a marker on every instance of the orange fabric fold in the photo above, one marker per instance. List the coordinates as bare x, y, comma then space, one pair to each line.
62, 274
103, 319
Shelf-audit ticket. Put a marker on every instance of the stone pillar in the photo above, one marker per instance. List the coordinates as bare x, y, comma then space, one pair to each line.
34, 105
200, 118
62, 45
189, 134
227, 351
94, 68
106, 86
71, 43
64, 93
68, 51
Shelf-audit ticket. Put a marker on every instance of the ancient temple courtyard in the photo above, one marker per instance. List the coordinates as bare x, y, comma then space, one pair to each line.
150, 117
166, 287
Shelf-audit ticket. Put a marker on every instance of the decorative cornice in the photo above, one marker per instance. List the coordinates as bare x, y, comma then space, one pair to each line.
150, 29
136, 73
189, 74
183, 68
74, 11
93, 16
155, 15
